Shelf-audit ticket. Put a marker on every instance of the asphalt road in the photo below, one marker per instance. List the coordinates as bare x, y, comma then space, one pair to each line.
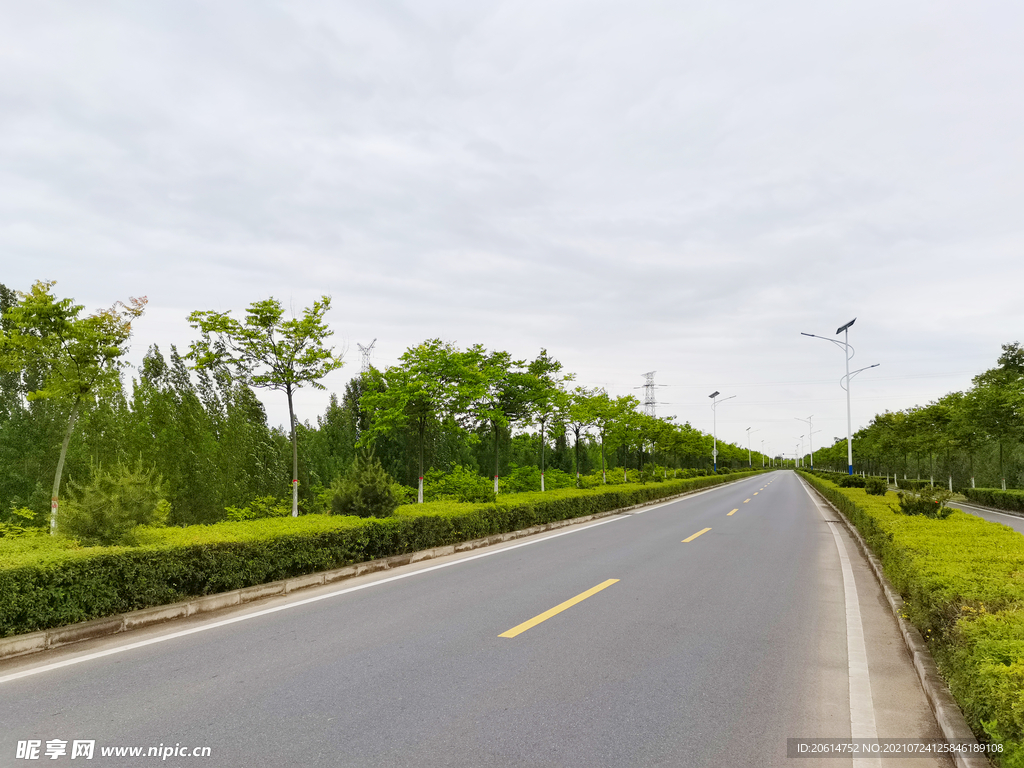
669, 649
1003, 518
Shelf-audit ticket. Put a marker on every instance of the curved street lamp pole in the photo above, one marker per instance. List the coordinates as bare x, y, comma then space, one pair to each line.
714, 424
849, 353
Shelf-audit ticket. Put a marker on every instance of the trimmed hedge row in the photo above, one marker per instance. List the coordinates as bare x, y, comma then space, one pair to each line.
48, 585
994, 497
917, 485
962, 580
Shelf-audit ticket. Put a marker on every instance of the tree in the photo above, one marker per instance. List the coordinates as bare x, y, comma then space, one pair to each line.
605, 412
996, 403
625, 429
549, 398
580, 417
365, 490
433, 382
508, 392
270, 352
76, 356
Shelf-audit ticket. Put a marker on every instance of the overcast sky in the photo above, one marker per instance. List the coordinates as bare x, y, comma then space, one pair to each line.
673, 186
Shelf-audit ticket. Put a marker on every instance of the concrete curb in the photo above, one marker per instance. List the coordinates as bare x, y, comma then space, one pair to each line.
21, 645
947, 712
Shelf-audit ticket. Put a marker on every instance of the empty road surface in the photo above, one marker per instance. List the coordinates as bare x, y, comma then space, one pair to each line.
701, 632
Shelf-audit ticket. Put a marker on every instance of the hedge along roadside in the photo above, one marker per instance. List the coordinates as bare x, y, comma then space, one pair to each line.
1012, 501
962, 581
43, 588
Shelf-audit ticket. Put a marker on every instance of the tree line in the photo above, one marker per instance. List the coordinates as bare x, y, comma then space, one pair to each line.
189, 419
973, 437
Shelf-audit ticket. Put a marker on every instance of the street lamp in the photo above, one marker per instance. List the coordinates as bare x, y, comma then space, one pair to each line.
750, 462
849, 352
714, 424
762, 454
801, 449
810, 434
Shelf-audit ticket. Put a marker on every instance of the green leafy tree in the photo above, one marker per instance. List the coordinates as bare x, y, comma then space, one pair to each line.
549, 399
271, 352
605, 414
996, 403
508, 393
625, 429
580, 417
76, 357
432, 384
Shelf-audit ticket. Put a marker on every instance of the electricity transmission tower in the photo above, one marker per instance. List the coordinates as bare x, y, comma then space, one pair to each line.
649, 400
366, 355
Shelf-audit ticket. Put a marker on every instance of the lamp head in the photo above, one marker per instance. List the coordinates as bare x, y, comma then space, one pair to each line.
844, 327
716, 393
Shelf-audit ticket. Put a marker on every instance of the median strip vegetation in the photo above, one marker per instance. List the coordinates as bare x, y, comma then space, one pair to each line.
1012, 501
48, 582
962, 581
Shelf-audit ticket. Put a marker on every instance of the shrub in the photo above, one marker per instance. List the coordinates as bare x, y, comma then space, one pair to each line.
259, 508
527, 480
365, 490
913, 485
1012, 501
930, 502
458, 484
851, 481
20, 522
404, 494
876, 486
113, 503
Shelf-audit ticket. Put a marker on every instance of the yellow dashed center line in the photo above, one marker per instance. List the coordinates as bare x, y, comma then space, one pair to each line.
519, 629
733, 512
698, 533
756, 492
745, 501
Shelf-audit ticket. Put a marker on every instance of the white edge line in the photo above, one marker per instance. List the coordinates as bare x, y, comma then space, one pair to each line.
224, 622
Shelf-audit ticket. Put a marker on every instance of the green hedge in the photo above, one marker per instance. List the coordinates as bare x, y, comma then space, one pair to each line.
962, 580
917, 485
994, 497
49, 583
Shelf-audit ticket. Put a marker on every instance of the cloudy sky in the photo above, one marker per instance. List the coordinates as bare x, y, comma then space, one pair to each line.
673, 186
